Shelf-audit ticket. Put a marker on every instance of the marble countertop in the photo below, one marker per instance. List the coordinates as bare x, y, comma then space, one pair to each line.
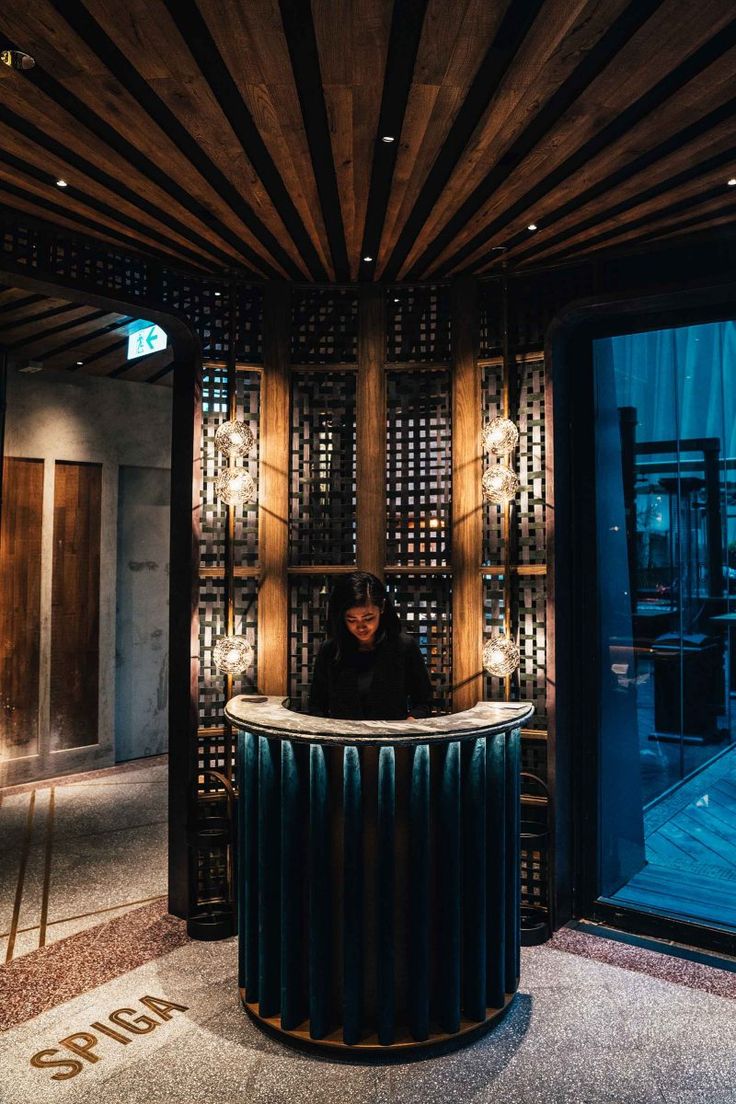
268, 716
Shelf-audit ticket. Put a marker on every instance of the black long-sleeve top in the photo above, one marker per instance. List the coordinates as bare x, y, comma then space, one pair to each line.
388, 683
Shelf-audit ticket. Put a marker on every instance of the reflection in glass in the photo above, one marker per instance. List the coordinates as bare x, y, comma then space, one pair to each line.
666, 545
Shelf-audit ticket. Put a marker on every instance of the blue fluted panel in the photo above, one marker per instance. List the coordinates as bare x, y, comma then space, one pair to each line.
513, 859
353, 898
474, 879
386, 879
293, 785
319, 894
269, 861
496, 870
449, 889
419, 910
248, 866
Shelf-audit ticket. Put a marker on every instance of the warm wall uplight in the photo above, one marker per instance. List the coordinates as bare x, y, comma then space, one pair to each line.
232, 654
235, 486
234, 438
501, 656
500, 484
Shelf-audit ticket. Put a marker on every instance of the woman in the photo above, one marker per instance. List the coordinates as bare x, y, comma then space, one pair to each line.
368, 669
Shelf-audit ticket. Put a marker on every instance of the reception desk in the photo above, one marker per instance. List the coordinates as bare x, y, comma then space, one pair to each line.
377, 874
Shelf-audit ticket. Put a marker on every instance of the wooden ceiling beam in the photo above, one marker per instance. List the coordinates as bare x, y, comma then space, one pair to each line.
299, 30
511, 32
654, 99
160, 113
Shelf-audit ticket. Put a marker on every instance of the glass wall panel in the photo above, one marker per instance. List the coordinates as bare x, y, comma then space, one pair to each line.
666, 548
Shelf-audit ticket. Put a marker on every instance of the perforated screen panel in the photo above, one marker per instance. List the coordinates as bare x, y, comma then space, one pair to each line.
308, 596
324, 326
213, 515
418, 324
418, 468
424, 605
322, 478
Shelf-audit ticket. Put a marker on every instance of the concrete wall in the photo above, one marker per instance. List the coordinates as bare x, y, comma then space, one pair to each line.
58, 416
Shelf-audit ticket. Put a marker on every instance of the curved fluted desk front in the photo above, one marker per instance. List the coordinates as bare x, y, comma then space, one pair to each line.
378, 874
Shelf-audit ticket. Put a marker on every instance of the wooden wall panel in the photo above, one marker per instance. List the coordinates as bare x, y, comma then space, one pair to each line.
20, 605
75, 605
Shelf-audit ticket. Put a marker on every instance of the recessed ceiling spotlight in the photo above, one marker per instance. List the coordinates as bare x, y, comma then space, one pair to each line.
367, 258
732, 182
532, 226
16, 59
218, 294
396, 300
61, 183
80, 363
387, 137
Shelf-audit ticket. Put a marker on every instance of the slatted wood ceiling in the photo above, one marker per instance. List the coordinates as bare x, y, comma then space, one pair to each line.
246, 134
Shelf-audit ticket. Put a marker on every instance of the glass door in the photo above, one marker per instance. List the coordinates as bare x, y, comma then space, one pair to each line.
666, 560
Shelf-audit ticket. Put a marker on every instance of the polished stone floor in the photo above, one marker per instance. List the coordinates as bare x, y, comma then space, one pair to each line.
579, 1030
594, 1020
79, 850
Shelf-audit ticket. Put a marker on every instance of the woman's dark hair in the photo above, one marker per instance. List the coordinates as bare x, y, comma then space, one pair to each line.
359, 588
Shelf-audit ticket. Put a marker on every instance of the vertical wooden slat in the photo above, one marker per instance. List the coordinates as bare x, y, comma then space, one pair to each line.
248, 910
419, 902
496, 870
75, 605
319, 894
293, 1009
273, 493
20, 605
386, 888
449, 889
467, 532
513, 860
353, 908
371, 431
474, 879
186, 485
269, 860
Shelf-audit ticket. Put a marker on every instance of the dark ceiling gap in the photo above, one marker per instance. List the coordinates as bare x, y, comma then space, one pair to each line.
65, 327
593, 62
301, 41
85, 339
728, 157
17, 304
112, 348
670, 145
44, 314
406, 31
199, 41
511, 33
160, 374
111, 212
683, 73
582, 256
92, 34
80, 114
74, 216
686, 204
79, 165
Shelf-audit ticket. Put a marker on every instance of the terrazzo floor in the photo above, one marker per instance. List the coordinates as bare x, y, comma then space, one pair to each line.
79, 850
580, 1030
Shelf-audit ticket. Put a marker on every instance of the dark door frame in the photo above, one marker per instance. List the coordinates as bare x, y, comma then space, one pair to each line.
572, 604
184, 551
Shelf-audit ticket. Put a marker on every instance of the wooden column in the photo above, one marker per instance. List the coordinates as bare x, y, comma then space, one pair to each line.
467, 531
273, 493
186, 484
371, 430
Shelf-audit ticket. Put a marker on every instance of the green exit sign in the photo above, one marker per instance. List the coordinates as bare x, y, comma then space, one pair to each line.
148, 339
